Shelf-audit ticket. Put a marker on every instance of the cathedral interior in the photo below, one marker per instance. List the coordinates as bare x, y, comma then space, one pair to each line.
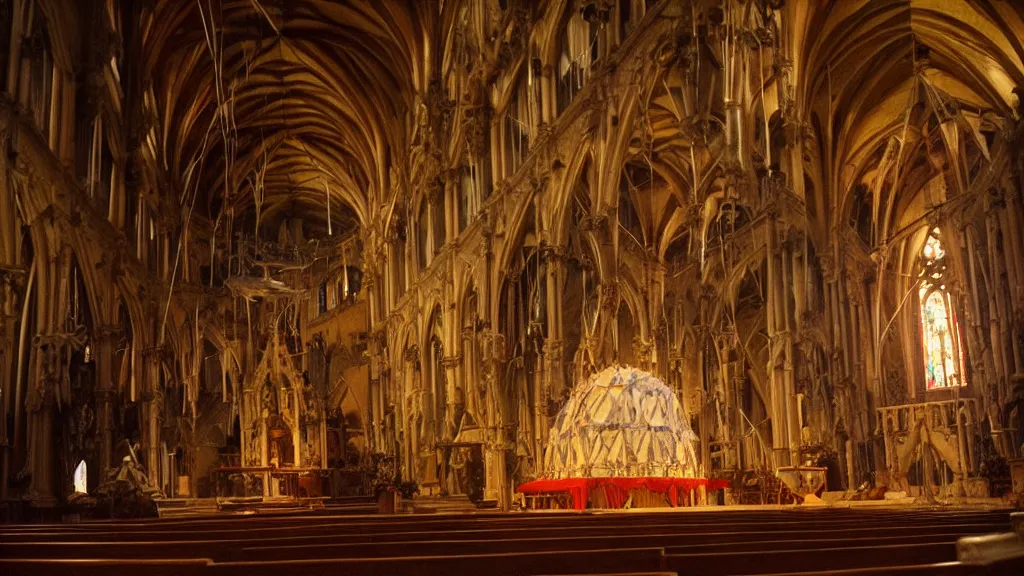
296, 250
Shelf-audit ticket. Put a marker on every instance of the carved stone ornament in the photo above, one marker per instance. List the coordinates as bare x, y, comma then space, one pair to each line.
109, 333
412, 354
610, 295
477, 131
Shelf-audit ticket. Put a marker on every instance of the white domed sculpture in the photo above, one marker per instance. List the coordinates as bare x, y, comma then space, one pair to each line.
622, 422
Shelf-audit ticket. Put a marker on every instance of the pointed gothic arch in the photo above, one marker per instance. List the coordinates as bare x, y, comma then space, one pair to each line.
942, 350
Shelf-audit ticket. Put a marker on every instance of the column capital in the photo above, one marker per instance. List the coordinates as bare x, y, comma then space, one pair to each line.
996, 200
552, 254
13, 275
108, 333
610, 294
553, 347
412, 354
155, 352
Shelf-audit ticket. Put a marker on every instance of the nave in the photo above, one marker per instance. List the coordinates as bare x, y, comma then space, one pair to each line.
697, 541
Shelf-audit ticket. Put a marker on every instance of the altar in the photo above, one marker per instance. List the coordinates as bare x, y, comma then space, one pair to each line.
270, 481
614, 493
620, 441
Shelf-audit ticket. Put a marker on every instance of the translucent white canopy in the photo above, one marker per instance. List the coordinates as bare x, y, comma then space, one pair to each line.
622, 422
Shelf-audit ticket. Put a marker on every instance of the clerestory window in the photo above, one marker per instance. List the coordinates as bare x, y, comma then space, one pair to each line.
940, 333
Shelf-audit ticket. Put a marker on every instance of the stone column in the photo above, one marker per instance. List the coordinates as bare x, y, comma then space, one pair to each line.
44, 375
552, 355
495, 487
9, 313
153, 399
1011, 261
105, 350
776, 332
449, 425
553, 388
40, 444
451, 366
411, 397
426, 431
376, 350
998, 315
14, 292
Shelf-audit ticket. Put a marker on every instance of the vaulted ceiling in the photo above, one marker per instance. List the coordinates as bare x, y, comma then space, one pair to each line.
267, 108
291, 102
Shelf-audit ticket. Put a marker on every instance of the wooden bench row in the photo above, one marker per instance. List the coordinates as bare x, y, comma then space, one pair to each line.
229, 549
730, 543
613, 527
332, 546
696, 517
914, 559
525, 523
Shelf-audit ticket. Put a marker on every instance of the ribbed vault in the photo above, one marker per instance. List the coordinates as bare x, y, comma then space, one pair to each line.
272, 107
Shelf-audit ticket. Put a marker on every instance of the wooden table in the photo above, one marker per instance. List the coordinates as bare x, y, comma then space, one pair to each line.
289, 477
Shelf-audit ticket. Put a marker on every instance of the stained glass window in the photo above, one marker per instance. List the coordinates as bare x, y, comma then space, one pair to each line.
81, 478
943, 359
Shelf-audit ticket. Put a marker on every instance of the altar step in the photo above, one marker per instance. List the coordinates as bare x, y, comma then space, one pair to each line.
183, 507
188, 507
438, 505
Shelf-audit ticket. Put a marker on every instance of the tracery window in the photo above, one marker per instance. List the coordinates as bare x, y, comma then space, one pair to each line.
578, 51
151, 246
626, 17
437, 220
422, 233
940, 333
518, 124
81, 478
467, 186
397, 262
321, 299
41, 71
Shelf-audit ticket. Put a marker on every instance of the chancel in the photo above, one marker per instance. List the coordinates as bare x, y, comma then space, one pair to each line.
447, 286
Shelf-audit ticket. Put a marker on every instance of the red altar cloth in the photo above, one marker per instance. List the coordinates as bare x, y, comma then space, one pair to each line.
617, 489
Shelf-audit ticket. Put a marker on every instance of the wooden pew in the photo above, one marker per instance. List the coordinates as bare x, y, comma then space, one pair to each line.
270, 522
809, 559
779, 541
410, 526
675, 542
164, 567
624, 574
564, 561
569, 562
939, 569
1004, 567
327, 535
672, 544
442, 522
330, 546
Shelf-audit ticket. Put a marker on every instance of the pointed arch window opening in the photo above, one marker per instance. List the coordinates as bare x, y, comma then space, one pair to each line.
940, 332
579, 51
519, 122
81, 478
